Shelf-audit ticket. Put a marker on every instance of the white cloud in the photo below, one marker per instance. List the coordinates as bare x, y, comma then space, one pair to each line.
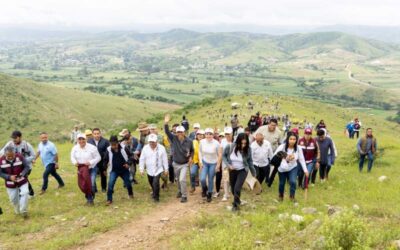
106, 13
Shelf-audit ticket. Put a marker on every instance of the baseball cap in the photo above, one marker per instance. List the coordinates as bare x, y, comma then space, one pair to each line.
16, 134
81, 136
152, 126
153, 138
308, 131
228, 130
200, 131
196, 125
209, 130
180, 129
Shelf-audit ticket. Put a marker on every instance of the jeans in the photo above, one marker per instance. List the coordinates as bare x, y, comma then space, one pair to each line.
93, 174
208, 170
310, 169
262, 173
180, 171
237, 179
154, 182
291, 176
370, 161
125, 175
51, 169
193, 173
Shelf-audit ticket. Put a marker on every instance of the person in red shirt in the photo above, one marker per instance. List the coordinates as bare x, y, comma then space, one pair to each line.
311, 154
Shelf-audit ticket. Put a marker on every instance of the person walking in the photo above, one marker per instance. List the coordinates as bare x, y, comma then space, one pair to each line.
274, 136
102, 144
288, 168
14, 169
193, 134
47, 151
116, 158
366, 147
210, 157
182, 155
194, 168
325, 145
85, 156
154, 159
235, 124
262, 154
228, 140
238, 158
311, 155
74, 133
25, 149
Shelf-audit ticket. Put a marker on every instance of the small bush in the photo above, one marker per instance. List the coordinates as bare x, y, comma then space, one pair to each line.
345, 231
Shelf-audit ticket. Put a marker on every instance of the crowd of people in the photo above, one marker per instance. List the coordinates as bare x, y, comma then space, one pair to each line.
210, 159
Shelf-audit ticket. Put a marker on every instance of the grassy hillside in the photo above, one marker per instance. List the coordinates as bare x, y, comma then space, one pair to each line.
33, 107
57, 224
263, 219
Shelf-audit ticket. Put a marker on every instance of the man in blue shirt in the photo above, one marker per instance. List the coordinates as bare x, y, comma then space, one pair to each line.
48, 152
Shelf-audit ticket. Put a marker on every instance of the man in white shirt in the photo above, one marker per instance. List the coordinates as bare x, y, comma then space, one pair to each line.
154, 159
262, 153
85, 156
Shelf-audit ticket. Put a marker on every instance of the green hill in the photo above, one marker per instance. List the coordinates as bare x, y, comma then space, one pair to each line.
262, 223
33, 107
374, 203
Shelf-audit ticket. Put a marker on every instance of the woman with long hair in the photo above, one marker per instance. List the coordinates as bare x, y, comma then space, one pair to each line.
288, 167
237, 157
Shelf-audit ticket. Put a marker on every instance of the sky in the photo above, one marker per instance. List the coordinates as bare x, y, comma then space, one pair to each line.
124, 13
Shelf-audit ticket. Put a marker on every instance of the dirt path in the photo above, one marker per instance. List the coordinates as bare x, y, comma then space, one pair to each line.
356, 80
152, 230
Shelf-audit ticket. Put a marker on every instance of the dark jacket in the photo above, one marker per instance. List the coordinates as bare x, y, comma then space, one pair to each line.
102, 148
181, 151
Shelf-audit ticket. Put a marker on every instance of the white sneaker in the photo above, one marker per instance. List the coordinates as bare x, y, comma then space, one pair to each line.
216, 195
224, 198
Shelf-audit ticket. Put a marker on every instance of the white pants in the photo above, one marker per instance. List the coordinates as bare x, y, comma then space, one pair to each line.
19, 198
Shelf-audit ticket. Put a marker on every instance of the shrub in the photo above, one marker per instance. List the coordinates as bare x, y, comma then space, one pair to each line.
345, 231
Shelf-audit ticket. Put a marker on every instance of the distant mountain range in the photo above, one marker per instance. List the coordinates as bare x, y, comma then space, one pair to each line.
389, 34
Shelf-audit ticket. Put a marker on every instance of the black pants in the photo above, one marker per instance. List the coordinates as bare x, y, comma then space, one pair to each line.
154, 182
323, 172
171, 172
272, 177
31, 192
234, 131
51, 170
218, 180
237, 179
300, 176
262, 173
103, 178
